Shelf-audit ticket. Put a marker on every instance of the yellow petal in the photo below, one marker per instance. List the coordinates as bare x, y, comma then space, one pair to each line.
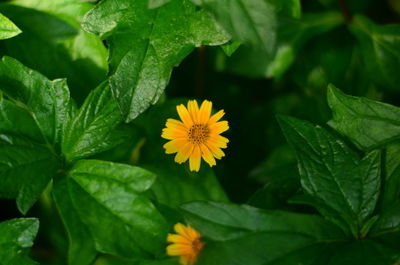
171, 134
195, 159
205, 112
172, 123
184, 115
179, 249
174, 238
216, 117
217, 152
217, 141
219, 127
184, 153
193, 110
207, 155
184, 260
175, 145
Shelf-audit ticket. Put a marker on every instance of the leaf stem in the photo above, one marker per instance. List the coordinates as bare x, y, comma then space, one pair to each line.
345, 11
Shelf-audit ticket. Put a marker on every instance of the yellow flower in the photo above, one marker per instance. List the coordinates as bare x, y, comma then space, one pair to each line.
197, 135
186, 244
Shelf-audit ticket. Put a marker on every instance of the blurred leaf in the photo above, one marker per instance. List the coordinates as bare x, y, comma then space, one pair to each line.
230, 47
389, 220
367, 123
94, 127
292, 35
250, 22
110, 202
7, 28
246, 235
17, 237
145, 45
288, 7
157, 3
333, 173
53, 42
380, 47
363, 252
81, 250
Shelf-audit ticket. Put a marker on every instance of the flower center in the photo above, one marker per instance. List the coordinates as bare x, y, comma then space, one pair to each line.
198, 133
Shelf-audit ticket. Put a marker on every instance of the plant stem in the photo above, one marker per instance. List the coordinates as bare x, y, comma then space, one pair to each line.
345, 11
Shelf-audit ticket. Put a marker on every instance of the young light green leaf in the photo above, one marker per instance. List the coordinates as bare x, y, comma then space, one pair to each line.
7, 28
380, 48
94, 128
157, 3
245, 235
367, 123
331, 172
110, 202
288, 7
145, 44
81, 250
54, 43
251, 22
17, 237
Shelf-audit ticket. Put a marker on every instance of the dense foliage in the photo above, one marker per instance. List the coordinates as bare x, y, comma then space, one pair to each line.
311, 173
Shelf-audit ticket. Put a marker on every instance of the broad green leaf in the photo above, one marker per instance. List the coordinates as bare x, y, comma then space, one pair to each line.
380, 47
94, 128
176, 185
17, 237
110, 202
251, 22
389, 220
223, 221
46, 101
334, 174
367, 123
7, 28
145, 44
81, 250
53, 42
31, 118
245, 235
391, 192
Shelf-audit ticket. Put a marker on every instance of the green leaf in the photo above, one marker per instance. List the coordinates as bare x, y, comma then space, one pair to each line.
31, 124
53, 42
380, 48
145, 44
389, 220
391, 192
94, 128
251, 22
46, 101
288, 7
334, 174
7, 28
17, 237
245, 235
157, 3
367, 123
110, 202
292, 35
363, 252
176, 185
81, 249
